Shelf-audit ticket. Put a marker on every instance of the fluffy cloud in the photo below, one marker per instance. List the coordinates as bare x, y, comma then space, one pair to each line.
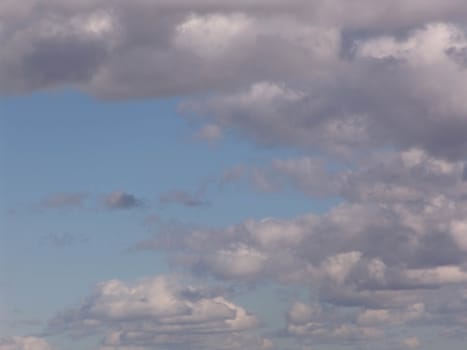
159, 312
380, 85
381, 177
313, 74
390, 250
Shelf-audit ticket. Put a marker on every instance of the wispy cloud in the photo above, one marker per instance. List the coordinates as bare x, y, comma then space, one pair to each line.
183, 198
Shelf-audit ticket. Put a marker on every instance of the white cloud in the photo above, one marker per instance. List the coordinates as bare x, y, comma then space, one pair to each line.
211, 36
156, 312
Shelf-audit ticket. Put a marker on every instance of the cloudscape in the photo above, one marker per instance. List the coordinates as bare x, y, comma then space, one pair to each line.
233, 175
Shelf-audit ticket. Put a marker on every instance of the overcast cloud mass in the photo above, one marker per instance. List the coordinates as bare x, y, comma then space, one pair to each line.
361, 104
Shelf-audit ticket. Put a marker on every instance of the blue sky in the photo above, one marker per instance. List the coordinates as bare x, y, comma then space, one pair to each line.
143, 147
198, 175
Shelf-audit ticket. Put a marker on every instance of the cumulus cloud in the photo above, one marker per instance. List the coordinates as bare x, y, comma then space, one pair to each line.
159, 312
121, 200
350, 241
380, 177
313, 74
370, 93
390, 250
386, 93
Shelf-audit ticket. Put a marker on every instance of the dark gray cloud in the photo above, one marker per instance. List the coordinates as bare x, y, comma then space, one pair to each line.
121, 200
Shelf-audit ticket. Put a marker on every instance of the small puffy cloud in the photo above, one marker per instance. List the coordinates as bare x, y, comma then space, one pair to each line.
24, 343
121, 200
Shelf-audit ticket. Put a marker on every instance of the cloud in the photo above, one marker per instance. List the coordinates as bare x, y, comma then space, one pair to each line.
308, 74
183, 198
387, 93
371, 94
159, 312
24, 343
390, 254
390, 247
369, 241
121, 200
380, 177
322, 326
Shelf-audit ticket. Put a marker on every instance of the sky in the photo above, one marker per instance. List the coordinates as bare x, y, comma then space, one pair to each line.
226, 175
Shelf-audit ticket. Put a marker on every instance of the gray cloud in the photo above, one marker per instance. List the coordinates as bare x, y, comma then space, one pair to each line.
384, 177
333, 77
121, 200
390, 254
325, 77
393, 247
